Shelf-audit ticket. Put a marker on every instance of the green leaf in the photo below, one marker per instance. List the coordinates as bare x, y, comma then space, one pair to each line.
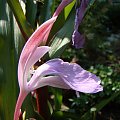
25, 28
62, 38
31, 12
10, 40
46, 10
91, 4
99, 106
58, 98
68, 9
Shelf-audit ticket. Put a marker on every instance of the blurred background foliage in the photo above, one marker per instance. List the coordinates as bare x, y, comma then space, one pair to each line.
100, 55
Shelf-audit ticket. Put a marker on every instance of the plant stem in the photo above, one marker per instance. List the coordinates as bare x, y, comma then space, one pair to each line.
42, 99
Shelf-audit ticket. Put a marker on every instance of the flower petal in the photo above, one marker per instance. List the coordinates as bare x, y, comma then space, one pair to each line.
77, 38
54, 81
71, 74
39, 53
80, 11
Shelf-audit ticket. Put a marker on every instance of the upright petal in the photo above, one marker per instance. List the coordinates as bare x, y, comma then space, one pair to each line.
70, 74
77, 38
34, 41
80, 11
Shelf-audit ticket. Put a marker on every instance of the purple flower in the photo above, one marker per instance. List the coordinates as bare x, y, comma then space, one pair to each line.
64, 75
78, 39
55, 72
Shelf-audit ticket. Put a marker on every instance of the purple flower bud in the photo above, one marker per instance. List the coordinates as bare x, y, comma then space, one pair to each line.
78, 39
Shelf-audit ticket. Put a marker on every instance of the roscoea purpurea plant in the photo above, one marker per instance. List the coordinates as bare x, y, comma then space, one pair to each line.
55, 72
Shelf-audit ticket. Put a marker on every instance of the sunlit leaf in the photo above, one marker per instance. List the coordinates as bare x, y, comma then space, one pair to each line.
62, 38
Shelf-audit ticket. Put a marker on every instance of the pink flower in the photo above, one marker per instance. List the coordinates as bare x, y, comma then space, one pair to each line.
31, 53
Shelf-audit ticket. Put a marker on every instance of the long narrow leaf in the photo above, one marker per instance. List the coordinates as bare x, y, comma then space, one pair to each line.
62, 38
25, 28
31, 12
99, 106
9, 44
